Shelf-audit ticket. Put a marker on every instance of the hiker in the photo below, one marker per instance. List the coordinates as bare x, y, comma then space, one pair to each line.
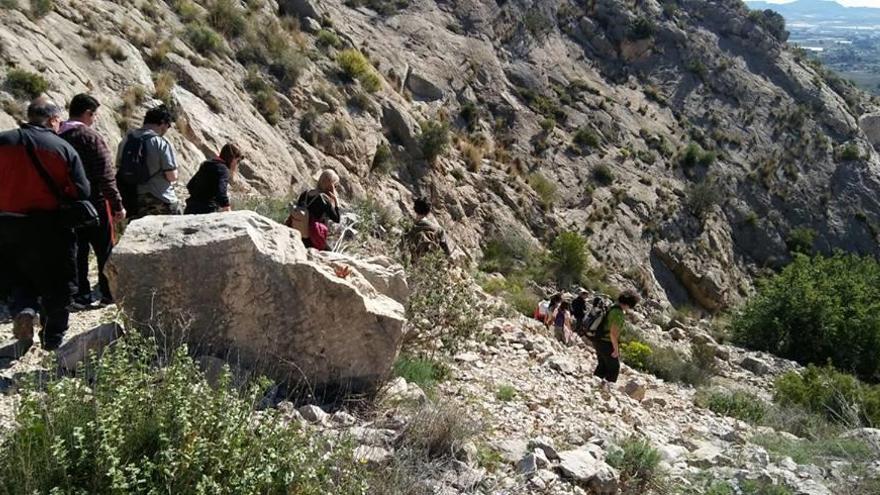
607, 338
208, 189
542, 309
551, 308
426, 235
561, 318
579, 310
40, 172
313, 209
98, 165
146, 168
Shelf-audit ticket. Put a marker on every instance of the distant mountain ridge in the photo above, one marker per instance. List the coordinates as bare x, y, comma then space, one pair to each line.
820, 11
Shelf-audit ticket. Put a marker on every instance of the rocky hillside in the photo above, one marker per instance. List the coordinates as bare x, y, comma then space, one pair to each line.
683, 138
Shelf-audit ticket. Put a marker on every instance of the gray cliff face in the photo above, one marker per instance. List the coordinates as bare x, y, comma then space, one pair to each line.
628, 88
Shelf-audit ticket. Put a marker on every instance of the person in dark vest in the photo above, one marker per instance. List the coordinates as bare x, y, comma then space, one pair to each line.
98, 165
607, 339
37, 247
579, 310
426, 235
209, 187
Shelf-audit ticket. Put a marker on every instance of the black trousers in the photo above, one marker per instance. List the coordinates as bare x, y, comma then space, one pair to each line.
100, 239
609, 367
37, 259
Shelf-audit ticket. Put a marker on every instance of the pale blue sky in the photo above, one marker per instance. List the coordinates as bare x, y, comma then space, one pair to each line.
848, 3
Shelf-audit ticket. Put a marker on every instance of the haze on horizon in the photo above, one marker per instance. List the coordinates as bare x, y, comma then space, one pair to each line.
848, 3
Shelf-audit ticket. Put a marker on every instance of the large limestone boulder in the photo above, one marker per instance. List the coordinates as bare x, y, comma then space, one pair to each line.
241, 287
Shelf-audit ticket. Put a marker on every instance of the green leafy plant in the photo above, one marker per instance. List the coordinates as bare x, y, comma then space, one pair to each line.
638, 463
818, 310
800, 240
434, 139
421, 370
41, 8
136, 428
635, 354
603, 174
568, 257
505, 393
838, 396
736, 404
545, 189
24, 84
586, 137
328, 38
204, 39
693, 155
226, 17
355, 66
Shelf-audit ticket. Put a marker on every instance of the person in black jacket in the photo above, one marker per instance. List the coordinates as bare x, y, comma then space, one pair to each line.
37, 247
209, 188
323, 205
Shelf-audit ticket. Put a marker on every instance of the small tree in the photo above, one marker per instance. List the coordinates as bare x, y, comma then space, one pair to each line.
568, 257
434, 139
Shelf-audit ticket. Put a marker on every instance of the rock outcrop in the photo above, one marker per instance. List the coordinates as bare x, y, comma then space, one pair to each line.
241, 287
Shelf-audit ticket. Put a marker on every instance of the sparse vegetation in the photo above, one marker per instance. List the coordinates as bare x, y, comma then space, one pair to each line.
694, 155
421, 370
545, 189
24, 84
355, 66
639, 465
383, 159
641, 28
818, 310
568, 258
736, 404
326, 38
204, 39
434, 139
800, 240
668, 364
164, 82
586, 138
603, 174
41, 8
838, 396
635, 354
849, 152
226, 17
101, 45
505, 393
263, 96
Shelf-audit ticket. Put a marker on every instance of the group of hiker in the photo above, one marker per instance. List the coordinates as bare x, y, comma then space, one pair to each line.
62, 195
597, 322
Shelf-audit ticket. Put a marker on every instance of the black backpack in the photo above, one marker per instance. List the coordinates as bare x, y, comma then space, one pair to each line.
594, 322
133, 167
133, 170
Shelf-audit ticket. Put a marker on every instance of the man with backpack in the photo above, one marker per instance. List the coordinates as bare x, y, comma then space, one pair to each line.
105, 196
146, 168
579, 310
425, 235
43, 177
606, 339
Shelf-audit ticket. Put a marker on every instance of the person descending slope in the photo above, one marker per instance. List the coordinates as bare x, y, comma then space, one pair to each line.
562, 320
209, 188
607, 338
579, 310
42, 187
425, 235
98, 164
147, 169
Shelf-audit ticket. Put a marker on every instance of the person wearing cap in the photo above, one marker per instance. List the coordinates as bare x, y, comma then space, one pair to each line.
579, 310
37, 248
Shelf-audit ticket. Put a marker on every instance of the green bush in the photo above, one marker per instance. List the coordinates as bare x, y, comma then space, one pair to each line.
838, 396
805, 451
635, 354
24, 84
434, 139
639, 465
204, 39
133, 428
272, 207
9, 4
383, 160
471, 115
441, 304
288, 68
568, 257
226, 17
694, 155
818, 310
523, 299
763, 487
545, 189
506, 253
849, 152
421, 370
353, 63
505, 393
603, 174
327, 38
670, 365
800, 240
702, 196
641, 28
585, 137
40, 8
736, 404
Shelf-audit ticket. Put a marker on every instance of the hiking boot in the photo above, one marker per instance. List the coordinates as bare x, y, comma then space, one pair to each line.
23, 325
50, 342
